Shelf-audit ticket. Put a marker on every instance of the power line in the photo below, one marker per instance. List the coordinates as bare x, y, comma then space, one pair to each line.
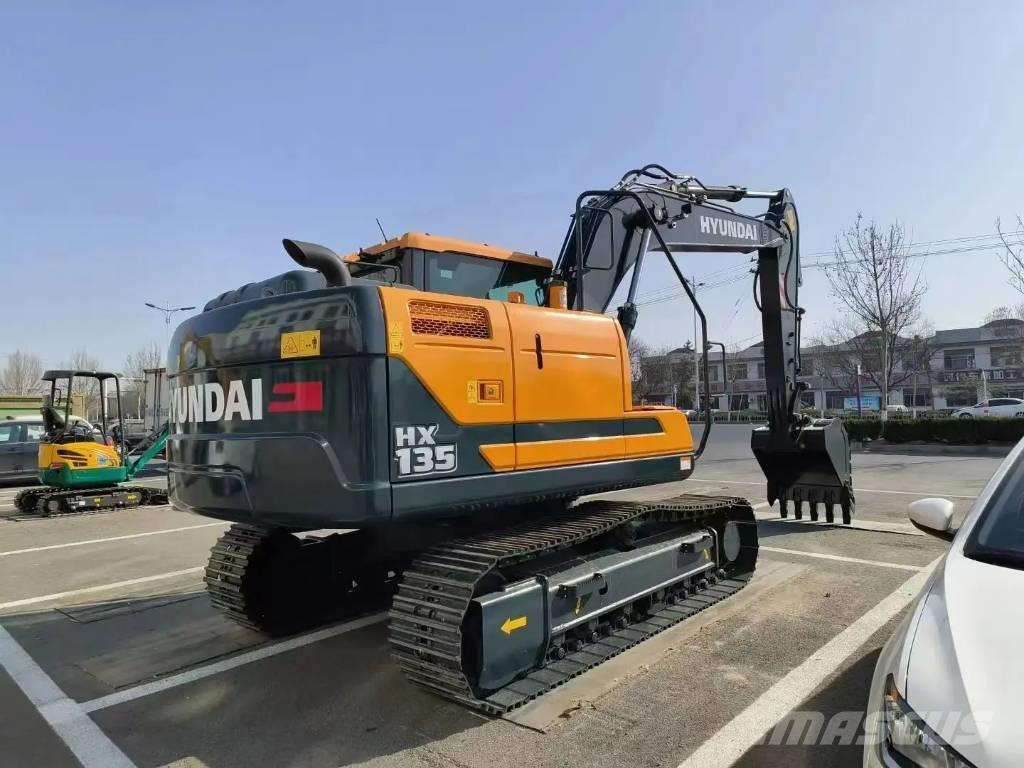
735, 272
667, 294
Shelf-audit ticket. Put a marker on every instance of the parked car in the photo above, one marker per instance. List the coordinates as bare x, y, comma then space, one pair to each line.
947, 686
999, 407
19, 447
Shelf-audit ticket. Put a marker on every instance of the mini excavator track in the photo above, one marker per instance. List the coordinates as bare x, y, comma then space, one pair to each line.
58, 502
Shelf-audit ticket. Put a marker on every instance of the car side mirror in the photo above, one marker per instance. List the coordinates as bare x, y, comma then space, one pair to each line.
933, 516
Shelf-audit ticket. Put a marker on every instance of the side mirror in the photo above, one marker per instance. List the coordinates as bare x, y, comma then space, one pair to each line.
933, 516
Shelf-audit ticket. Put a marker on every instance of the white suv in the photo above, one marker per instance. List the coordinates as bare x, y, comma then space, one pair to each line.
999, 407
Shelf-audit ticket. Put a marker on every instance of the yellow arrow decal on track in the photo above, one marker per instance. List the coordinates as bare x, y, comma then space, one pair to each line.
511, 625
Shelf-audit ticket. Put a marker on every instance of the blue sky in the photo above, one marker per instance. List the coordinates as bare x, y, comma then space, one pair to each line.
159, 152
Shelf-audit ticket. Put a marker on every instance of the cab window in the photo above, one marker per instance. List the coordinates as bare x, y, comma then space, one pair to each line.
34, 433
460, 274
10, 433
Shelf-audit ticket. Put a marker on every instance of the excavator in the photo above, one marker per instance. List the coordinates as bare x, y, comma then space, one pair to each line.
79, 473
454, 407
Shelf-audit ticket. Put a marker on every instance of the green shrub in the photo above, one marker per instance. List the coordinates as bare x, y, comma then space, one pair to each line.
952, 431
863, 429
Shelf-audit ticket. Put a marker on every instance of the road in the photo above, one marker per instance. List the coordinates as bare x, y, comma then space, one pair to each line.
111, 652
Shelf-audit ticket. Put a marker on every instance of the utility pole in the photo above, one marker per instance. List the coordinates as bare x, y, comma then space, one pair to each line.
168, 313
860, 401
696, 355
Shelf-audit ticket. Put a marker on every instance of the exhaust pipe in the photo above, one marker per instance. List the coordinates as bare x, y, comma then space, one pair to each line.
323, 260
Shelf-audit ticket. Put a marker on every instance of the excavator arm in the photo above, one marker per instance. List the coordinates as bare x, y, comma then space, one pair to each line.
653, 212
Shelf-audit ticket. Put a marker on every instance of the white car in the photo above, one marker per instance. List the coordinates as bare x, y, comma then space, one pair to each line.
1000, 407
948, 689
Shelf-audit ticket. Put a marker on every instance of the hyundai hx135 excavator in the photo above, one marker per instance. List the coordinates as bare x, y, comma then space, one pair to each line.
450, 403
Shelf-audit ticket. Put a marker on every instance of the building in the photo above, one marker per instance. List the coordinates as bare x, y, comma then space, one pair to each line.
963, 367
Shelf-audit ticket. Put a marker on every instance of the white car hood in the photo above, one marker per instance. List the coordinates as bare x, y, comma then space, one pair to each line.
966, 659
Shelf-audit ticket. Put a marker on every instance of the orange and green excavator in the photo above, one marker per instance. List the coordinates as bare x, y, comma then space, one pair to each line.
453, 404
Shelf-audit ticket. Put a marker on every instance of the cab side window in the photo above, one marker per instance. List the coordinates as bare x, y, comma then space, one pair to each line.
10, 433
34, 433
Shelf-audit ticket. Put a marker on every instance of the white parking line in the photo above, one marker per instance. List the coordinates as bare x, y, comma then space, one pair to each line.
747, 728
68, 720
257, 654
856, 490
98, 588
878, 526
48, 547
842, 558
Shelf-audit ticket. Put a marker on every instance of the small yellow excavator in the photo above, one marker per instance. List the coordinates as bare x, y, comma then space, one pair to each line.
79, 472
451, 402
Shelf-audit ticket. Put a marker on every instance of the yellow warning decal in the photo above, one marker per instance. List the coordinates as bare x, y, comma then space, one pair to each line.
300, 344
396, 338
472, 391
511, 625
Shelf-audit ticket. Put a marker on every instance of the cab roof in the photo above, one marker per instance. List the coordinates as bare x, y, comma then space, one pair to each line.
63, 373
439, 244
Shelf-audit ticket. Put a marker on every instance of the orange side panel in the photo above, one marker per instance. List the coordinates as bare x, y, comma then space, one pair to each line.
582, 372
501, 457
555, 453
450, 365
675, 436
627, 370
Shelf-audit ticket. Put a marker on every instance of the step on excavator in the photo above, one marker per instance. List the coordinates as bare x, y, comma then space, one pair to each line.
450, 404
81, 468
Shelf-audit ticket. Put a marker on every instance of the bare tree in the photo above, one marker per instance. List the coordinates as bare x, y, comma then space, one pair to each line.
1016, 312
639, 350
21, 373
872, 279
133, 386
87, 389
144, 358
1013, 253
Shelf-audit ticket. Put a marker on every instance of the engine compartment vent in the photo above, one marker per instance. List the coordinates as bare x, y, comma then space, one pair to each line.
436, 318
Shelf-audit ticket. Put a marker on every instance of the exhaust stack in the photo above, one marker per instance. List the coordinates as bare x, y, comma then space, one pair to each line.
322, 259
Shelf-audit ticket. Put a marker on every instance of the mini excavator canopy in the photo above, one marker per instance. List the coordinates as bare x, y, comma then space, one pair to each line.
654, 210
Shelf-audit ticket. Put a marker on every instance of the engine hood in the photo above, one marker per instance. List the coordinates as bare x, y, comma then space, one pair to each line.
966, 659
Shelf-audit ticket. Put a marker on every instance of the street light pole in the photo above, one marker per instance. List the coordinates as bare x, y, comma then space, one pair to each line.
168, 313
696, 354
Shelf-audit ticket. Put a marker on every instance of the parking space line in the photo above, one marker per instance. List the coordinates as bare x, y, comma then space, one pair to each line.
68, 720
920, 494
109, 538
876, 526
745, 730
233, 662
98, 588
842, 558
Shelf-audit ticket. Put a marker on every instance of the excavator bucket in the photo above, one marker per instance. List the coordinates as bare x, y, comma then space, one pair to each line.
810, 463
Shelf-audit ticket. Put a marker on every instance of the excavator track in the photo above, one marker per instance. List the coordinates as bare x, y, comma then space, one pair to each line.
59, 502
436, 590
274, 582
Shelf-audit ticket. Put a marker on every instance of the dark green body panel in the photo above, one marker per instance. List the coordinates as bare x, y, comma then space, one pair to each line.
69, 478
333, 462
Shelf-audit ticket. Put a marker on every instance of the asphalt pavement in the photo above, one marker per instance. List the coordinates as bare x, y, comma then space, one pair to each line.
112, 655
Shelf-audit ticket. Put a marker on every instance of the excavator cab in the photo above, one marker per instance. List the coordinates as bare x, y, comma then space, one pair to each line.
454, 267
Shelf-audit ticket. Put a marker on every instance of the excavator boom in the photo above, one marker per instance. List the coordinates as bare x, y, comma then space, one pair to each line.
653, 210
